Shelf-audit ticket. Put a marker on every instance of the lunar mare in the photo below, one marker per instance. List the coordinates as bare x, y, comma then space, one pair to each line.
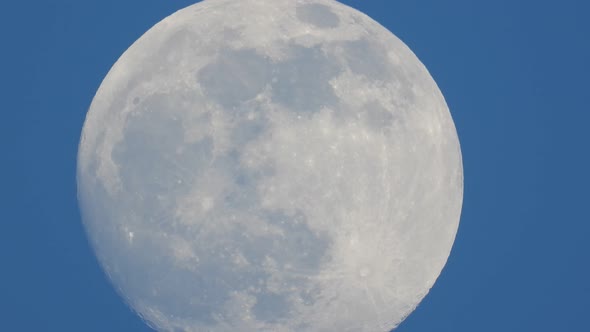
255, 165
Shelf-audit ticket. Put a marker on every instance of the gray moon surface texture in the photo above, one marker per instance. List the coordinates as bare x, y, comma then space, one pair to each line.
258, 165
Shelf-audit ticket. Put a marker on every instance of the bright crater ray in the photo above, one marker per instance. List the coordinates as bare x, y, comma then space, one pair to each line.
284, 165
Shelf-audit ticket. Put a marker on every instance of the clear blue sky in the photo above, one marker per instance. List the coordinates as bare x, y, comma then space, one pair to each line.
515, 75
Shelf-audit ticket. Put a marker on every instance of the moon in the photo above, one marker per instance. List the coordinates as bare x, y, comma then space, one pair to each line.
256, 165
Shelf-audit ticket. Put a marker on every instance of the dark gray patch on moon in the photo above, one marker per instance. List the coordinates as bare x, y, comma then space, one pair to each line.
247, 129
318, 15
154, 172
377, 117
367, 59
171, 51
207, 283
303, 249
201, 300
301, 252
310, 296
230, 34
146, 156
271, 307
243, 194
236, 76
302, 83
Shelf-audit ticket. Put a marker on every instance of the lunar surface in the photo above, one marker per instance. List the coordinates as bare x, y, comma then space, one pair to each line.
258, 165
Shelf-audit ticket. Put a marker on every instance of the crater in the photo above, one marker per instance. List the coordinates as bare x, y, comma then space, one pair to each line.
318, 15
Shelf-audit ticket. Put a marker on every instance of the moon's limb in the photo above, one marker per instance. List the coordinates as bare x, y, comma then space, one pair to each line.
270, 166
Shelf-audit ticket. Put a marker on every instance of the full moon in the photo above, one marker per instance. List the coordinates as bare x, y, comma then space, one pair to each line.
270, 165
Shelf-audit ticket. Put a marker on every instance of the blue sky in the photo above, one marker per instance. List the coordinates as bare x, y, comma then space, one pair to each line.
515, 76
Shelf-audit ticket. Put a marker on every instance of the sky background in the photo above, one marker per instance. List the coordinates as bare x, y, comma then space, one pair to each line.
515, 75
